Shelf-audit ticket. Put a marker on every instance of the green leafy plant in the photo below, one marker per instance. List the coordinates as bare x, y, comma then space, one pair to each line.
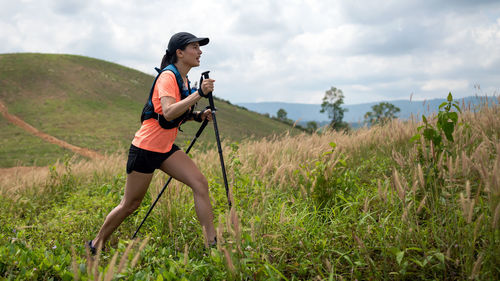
447, 119
446, 124
331, 181
432, 145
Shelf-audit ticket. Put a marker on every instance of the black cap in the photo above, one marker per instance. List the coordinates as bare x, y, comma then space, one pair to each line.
181, 39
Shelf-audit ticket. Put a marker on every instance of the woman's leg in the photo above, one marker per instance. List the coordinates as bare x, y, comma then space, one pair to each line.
135, 188
183, 169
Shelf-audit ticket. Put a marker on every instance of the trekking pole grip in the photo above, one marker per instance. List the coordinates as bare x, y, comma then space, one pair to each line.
204, 75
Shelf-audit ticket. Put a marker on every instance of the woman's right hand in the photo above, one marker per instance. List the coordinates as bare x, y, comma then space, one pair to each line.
207, 86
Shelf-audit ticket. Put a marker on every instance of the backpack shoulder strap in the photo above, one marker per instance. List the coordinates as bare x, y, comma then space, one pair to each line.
180, 82
149, 110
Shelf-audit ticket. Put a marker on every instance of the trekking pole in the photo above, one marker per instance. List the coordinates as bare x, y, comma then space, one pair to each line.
202, 127
212, 107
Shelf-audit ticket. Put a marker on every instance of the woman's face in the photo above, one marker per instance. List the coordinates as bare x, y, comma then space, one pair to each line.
191, 55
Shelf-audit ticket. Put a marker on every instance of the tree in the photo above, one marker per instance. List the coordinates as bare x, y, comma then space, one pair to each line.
281, 114
312, 126
332, 102
381, 113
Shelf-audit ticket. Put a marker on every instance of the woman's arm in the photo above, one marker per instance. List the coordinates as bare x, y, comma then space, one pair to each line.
172, 109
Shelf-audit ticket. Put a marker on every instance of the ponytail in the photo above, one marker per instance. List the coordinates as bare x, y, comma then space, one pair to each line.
170, 58
167, 59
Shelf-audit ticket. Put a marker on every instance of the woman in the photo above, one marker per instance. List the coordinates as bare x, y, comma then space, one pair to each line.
153, 146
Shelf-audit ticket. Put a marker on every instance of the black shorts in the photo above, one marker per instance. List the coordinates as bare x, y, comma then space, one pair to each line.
145, 161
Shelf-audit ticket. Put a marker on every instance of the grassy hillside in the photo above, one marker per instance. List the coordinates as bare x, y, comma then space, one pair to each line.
17, 147
369, 205
93, 104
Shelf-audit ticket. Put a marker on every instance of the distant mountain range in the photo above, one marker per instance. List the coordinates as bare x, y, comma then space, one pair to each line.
355, 112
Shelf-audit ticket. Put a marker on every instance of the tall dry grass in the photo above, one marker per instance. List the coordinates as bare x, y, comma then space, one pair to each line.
19, 179
475, 154
279, 159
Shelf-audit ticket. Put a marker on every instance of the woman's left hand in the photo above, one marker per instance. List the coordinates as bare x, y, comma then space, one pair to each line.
207, 114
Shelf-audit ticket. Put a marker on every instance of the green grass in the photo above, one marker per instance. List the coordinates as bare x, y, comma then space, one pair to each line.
17, 148
337, 215
96, 104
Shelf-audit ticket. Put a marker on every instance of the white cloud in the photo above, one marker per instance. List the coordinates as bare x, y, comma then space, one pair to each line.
270, 51
444, 85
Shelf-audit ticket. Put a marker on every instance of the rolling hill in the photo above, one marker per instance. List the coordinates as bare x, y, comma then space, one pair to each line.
93, 104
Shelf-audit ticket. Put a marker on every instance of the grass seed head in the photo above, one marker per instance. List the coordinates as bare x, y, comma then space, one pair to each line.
496, 217
74, 266
111, 267
229, 261
186, 254
205, 238
366, 205
421, 205
137, 255
398, 186
124, 259
477, 267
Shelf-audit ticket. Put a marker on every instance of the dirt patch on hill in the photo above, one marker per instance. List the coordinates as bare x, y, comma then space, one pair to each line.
27, 127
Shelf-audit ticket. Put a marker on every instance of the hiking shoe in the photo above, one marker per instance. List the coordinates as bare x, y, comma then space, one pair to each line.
92, 249
213, 244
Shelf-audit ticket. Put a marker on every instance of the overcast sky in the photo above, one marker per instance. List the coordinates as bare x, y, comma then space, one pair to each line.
289, 51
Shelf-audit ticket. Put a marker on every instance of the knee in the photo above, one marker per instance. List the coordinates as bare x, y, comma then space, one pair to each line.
131, 206
200, 185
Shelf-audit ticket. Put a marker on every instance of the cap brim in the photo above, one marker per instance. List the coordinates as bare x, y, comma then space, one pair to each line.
202, 41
